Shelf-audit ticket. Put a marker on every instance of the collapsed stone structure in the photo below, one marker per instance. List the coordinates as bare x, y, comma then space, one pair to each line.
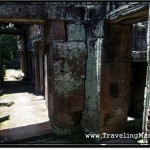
78, 54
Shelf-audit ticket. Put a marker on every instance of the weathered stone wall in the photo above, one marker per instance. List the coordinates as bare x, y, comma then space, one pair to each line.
107, 99
93, 75
94, 40
72, 67
116, 57
68, 45
22, 11
146, 112
87, 60
67, 65
34, 36
35, 33
67, 51
107, 78
102, 60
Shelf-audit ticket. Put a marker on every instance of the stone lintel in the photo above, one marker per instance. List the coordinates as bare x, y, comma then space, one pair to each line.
129, 14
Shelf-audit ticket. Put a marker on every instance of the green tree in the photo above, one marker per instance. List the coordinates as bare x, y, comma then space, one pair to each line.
8, 47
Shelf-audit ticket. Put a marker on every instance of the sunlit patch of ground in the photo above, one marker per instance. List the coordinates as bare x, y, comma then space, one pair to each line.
28, 109
13, 75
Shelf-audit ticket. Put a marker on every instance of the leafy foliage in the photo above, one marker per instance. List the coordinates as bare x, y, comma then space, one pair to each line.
8, 47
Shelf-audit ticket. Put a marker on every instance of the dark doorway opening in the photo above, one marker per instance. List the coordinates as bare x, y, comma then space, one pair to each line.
138, 77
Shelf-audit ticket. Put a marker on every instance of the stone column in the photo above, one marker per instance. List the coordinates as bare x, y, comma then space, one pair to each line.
48, 55
23, 62
69, 72
33, 68
107, 78
41, 67
37, 71
146, 112
90, 114
115, 78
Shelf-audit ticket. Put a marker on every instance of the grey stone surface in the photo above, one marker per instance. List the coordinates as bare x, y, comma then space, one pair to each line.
76, 32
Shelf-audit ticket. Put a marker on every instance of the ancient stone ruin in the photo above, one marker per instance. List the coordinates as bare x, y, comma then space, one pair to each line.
81, 57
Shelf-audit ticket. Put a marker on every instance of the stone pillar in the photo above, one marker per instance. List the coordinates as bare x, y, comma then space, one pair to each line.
65, 55
107, 78
64, 65
46, 78
146, 112
23, 61
26, 54
90, 114
32, 68
41, 67
115, 78
48, 70
37, 71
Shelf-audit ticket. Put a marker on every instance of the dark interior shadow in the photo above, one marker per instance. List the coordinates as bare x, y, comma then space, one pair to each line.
11, 87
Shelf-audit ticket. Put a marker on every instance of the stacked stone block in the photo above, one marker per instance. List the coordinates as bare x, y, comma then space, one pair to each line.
69, 53
94, 39
115, 78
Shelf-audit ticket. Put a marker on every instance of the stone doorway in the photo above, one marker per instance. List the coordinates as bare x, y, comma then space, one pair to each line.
28, 108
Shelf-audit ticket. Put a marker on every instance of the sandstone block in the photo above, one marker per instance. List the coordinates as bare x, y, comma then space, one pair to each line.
58, 30
75, 32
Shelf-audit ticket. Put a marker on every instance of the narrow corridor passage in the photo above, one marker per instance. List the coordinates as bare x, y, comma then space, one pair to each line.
27, 115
